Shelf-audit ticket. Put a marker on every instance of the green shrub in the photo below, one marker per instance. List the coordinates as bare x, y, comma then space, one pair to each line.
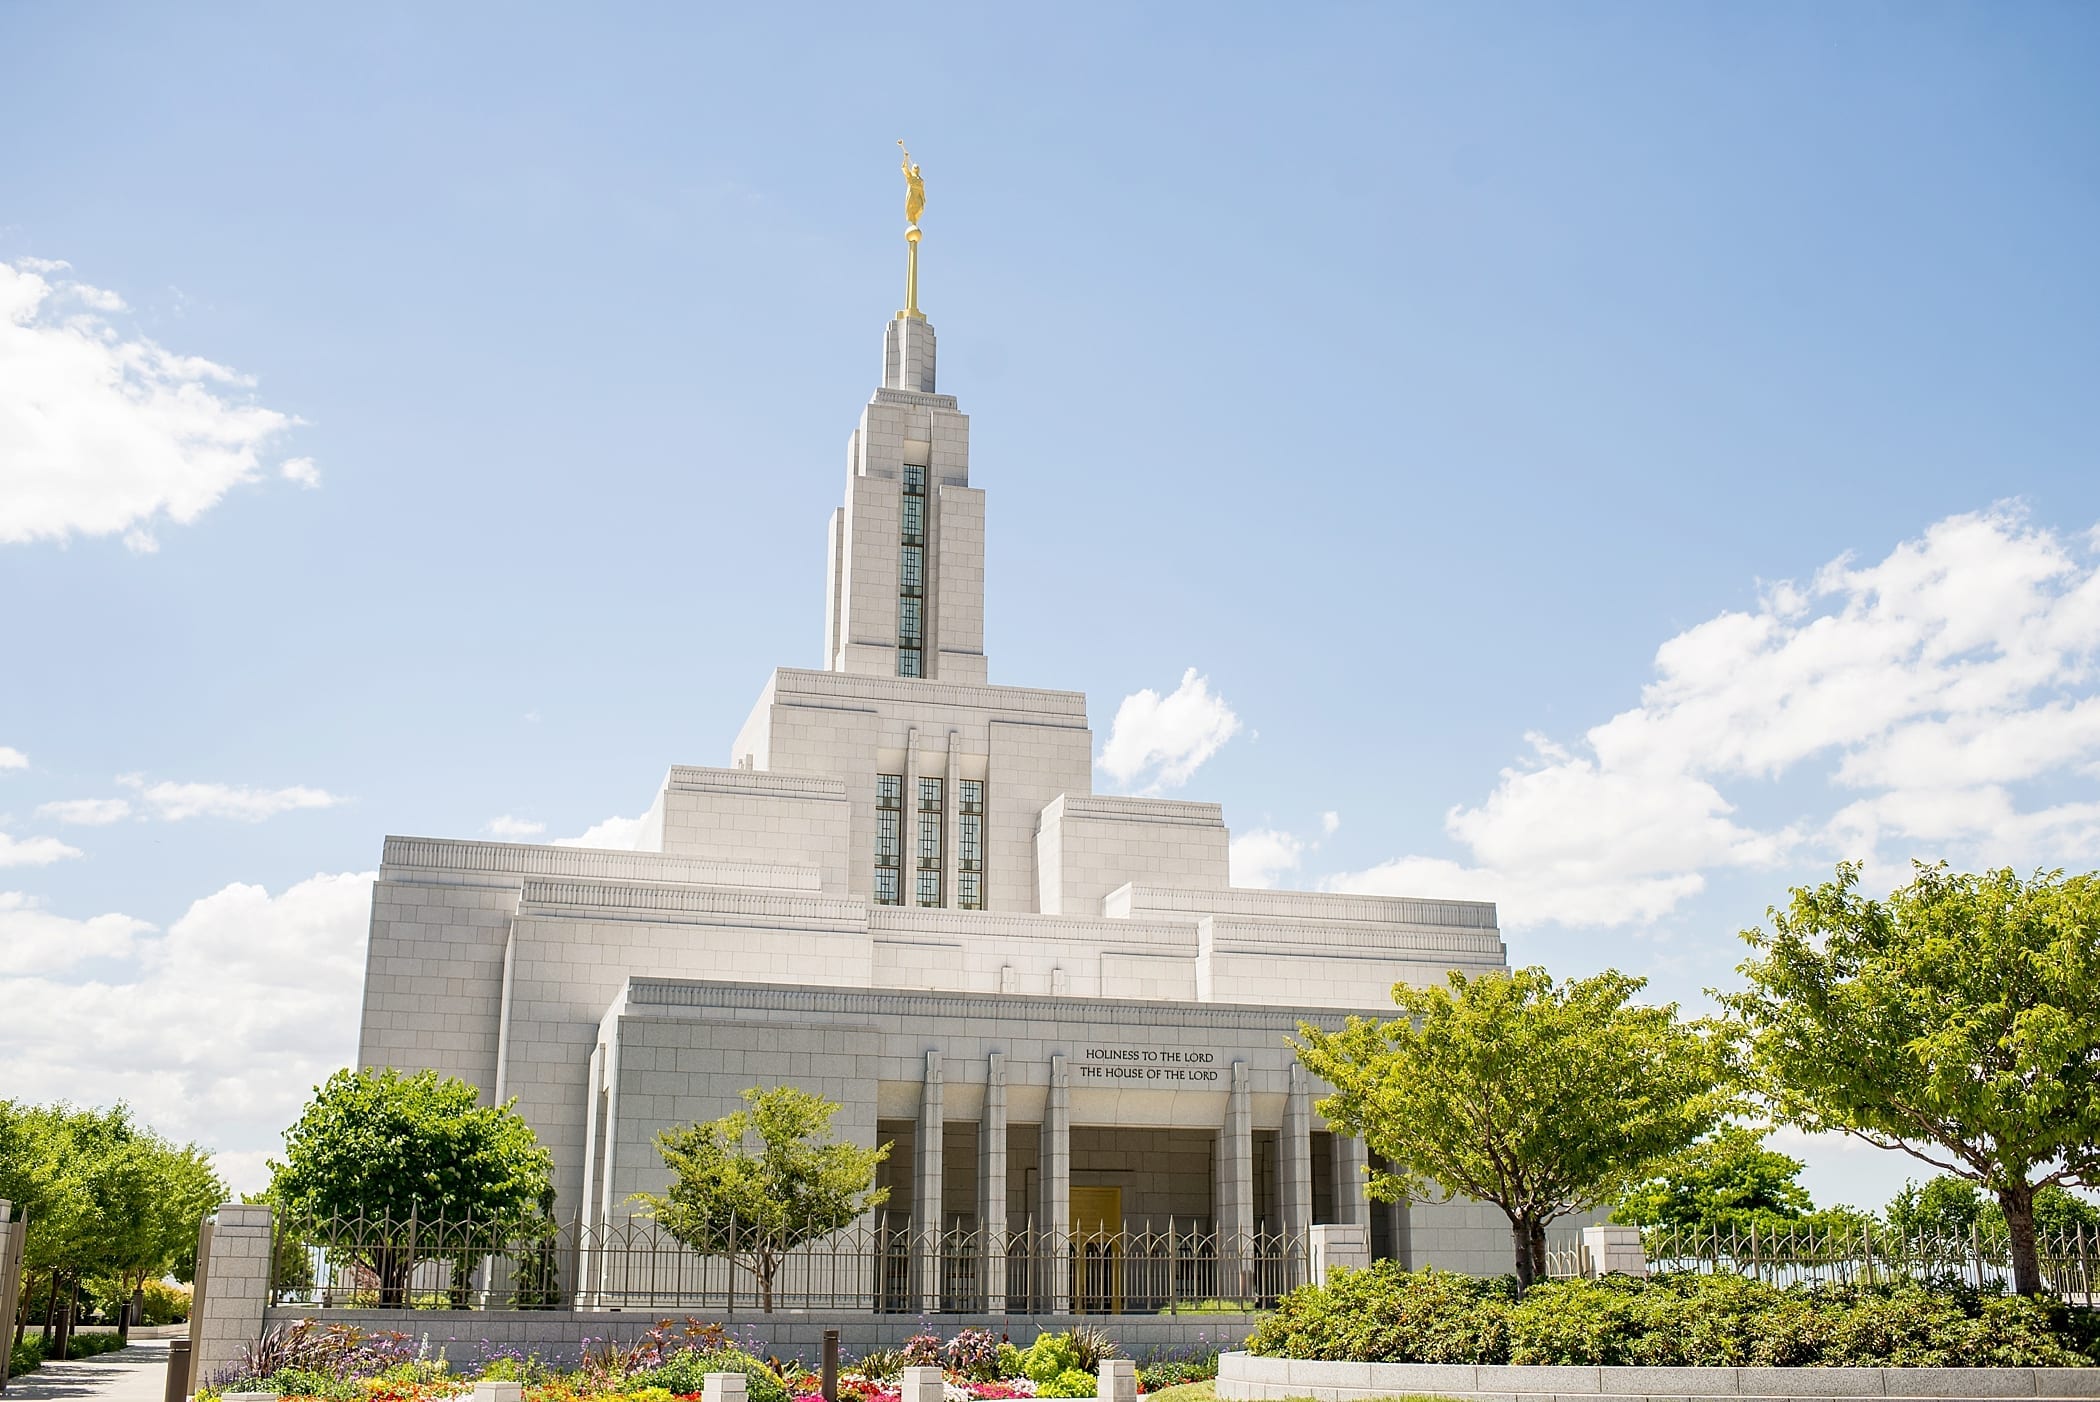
165, 1303
1388, 1315
299, 1382
25, 1356
880, 1364
1073, 1382
1048, 1358
1010, 1364
1385, 1314
1173, 1372
687, 1371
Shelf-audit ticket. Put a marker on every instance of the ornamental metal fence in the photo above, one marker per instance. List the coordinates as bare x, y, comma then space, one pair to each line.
1868, 1253
883, 1265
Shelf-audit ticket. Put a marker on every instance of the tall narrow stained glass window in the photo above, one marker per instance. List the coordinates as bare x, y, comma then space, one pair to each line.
969, 844
930, 825
889, 846
911, 576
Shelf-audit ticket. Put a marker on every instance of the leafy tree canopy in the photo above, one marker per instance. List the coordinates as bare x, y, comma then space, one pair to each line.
105, 1195
380, 1144
1541, 1098
1958, 1020
1950, 1207
1729, 1182
764, 1180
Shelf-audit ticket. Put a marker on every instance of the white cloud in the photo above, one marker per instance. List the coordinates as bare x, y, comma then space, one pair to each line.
1330, 823
623, 833
32, 940
175, 802
105, 434
1165, 739
1937, 683
302, 471
86, 812
34, 851
215, 1031
1260, 857
11, 758
509, 827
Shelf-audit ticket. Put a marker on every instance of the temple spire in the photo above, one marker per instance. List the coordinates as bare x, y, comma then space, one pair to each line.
914, 206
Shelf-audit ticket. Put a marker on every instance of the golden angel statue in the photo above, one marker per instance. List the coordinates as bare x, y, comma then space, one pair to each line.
915, 187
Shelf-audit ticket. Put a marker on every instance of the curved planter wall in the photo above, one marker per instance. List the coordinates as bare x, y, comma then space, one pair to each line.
1245, 1377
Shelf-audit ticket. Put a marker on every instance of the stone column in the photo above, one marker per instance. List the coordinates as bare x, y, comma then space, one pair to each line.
1236, 1190
1054, 1174
1352, 1206
1294, 1174
991, 1186
239, 1267
926, 1187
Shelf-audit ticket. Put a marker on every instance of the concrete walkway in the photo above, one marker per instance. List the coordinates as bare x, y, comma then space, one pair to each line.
135, 1374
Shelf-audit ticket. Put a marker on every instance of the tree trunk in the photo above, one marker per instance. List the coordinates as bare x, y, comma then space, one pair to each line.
50, 1311
766, 1266
1538, 1251
1527, 1272
22, 1310
2018, 1206
134, 1311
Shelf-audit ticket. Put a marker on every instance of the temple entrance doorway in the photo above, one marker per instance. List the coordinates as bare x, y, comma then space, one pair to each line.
1097, 1259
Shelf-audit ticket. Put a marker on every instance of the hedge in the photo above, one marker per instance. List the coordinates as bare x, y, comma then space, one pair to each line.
1387, 1315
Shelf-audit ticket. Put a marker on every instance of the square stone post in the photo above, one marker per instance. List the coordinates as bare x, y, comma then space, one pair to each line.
991, 1186
922, 1385
723, 1387
1615, 1250
1339, 1246
1352, 1204
230, 1316
1294, 1172
926, 1187
1235, 1226
1116, 1381
1055, 1177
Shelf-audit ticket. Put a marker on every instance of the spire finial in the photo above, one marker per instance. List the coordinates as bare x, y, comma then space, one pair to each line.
914, 206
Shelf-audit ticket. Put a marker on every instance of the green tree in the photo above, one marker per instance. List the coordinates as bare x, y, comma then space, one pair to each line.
1542, 1099
379, 1158
1958, 1021
108, 1200
1726, 1182
761, 1181
1952, 1208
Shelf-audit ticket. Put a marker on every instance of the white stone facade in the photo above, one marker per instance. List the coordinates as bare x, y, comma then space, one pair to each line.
751, 938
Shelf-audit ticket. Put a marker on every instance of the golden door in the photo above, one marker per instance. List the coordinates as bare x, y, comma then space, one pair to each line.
1097, 1250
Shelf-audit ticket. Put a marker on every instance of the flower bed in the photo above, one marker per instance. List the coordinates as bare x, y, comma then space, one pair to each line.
339, 1363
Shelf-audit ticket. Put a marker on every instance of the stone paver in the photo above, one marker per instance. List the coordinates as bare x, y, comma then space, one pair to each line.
135, 1374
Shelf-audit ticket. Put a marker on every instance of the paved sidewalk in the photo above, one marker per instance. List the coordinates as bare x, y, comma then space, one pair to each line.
135, 1374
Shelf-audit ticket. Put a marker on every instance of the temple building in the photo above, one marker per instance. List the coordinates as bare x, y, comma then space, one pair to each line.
902, 892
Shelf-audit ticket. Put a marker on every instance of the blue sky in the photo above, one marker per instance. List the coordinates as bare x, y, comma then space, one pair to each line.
1420, 376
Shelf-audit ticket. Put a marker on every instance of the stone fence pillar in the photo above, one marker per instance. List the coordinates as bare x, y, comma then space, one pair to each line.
227, 1314
922, 1385
1339, 1244
1614, 1250
1117, 1381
